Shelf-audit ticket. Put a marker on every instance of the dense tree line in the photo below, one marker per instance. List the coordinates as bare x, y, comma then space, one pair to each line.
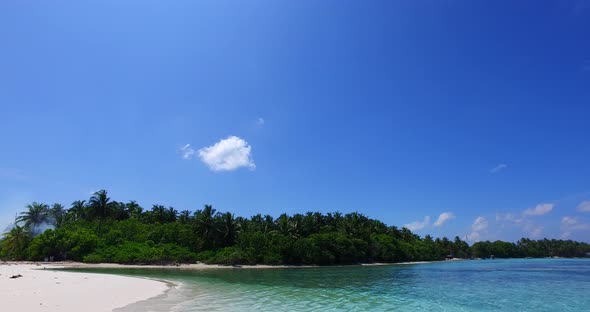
530, 248
102, 230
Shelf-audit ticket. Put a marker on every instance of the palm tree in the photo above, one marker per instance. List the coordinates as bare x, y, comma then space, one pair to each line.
256, 222
205, 224
244, 224
312, 222
16, 239
36, 215
378, 227
119, 211
395, 232
264, 224
296, 225
287, 226
184, 217
357, 225
158, 214
282, 224
58, 214
134, 209
77, 211
269, 224
230, 229
408, 236
171, 214
100, 205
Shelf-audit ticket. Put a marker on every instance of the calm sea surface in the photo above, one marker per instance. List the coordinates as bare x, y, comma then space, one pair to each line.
479, 285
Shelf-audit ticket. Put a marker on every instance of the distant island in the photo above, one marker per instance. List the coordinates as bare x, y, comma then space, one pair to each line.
106, 231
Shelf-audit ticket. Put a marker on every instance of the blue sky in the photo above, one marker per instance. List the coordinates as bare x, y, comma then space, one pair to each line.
473, 114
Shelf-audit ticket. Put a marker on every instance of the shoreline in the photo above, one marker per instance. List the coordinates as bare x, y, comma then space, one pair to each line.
175, 294
48, 286
45, 287
160, 300
203, 266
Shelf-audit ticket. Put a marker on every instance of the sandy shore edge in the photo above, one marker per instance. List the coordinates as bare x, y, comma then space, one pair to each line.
38, 288
49, 287
203, 266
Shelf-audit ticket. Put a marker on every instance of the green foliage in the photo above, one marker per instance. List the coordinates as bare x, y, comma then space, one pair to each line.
386, 248
141, 253
71, 243
36, 215
101, 230
14, 243
227, 256
530, 248
266, 248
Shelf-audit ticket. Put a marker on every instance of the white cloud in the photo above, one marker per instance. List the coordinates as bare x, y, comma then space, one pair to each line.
228, 154
509, 217
571, 224
187, 152
260, 121
474, 236
584, 206
536, 232
524, 221
498, 168
538, 210
568, 221
444, 217
418, 225
574, 224
480, 224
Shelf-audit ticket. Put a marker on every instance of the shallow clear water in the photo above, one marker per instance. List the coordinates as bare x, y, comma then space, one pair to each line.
483, 285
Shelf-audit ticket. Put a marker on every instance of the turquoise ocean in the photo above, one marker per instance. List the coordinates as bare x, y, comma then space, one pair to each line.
473, 285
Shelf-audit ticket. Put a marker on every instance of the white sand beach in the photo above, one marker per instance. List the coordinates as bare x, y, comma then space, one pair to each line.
203, 266
193, 266
40, 289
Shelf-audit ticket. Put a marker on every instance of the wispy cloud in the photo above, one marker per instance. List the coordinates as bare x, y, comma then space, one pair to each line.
525, 221
444, 217
509, 217
539, 210
418, 225
227, 154
498, 168
572, 224
568, 221
536, 232
480, 225
584, 206
187, 152
260, 121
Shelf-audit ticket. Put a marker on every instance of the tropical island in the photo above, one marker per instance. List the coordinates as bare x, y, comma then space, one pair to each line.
101, 230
